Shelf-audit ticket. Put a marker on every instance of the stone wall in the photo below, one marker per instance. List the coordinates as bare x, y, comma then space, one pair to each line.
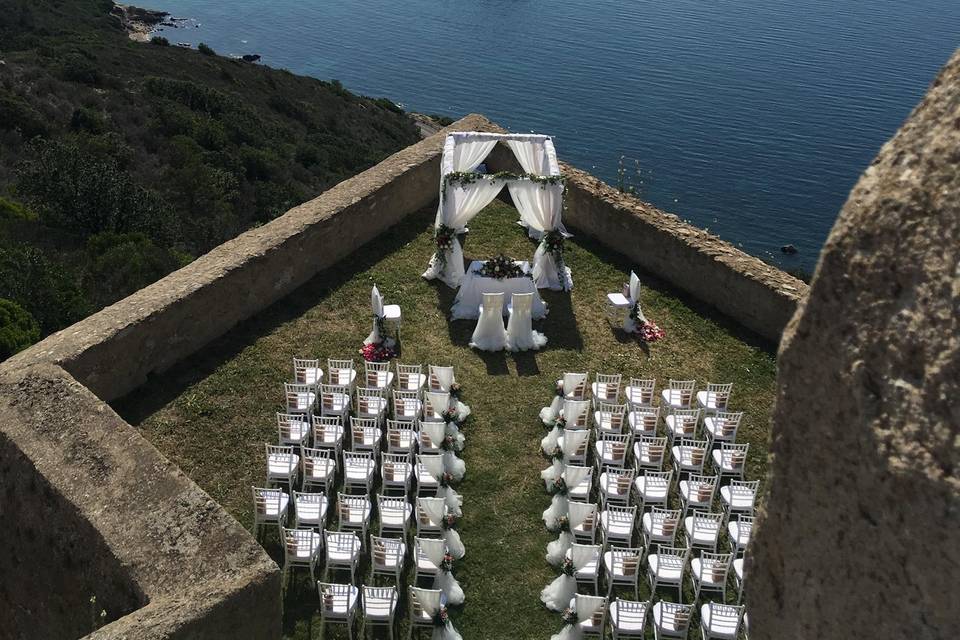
861, 536
756, 295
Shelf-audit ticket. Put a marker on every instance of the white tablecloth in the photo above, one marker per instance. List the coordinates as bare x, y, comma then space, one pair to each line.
467, 303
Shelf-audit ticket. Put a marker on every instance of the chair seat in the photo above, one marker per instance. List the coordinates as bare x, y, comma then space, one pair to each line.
359, 470
343, 553
616, 526
391, 312
603, 391
738, 568
643, 457
407, 408
654, 529
375, 609
718, 626
282, 465
368, 438
636, 422
679, 427
689, 492
426, 565
616, 569
605, 452
304, 401
634, 395
579, 492
708, 577
271, 506
312, 375
710, 405
412, 382
400, 474
343, 603
665, 620
589, 569
652, 491
739, 533
392, 559
339, 402
355, 515
396, 517
706, 532
716, 430
740, 500
306, 549
322, 469
328, 435
725, 466
628, 621
684, 457
311, 512
618, 300
610, 487
299, 431
665, 572
672, 397
342, 377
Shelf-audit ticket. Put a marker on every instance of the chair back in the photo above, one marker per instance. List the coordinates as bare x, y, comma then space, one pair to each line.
629, 615
673, 619
644, 419
300, 398
685, 422
641, 391
576, 413
591, 614
726, 424
292, 427
379, 602
410, 376
723, 620
733, 456
335, 600
334, 398
744, 491
267, 504
441, 378
340, 372
718, 396
575, 385
714, 567
307, 371
493, 304
521, 303
611, 416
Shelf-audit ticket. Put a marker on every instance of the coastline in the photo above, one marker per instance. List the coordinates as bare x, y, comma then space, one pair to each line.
139, 23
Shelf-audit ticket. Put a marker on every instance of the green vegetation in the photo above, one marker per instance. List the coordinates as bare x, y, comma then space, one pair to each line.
18, 329
120, 161
212, 414
206, 49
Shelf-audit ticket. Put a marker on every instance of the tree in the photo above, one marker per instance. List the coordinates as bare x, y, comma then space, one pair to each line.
18, 329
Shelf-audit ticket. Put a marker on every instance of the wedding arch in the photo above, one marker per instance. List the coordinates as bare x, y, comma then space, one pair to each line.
537, 194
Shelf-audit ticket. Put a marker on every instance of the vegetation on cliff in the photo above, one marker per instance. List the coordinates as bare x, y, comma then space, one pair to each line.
120, 161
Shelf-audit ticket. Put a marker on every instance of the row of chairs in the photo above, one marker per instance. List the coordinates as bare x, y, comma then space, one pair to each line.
629, 618
679, 394
340, 604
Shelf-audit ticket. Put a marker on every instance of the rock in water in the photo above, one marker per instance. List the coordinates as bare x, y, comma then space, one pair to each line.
860, 534
788, 249
250, 57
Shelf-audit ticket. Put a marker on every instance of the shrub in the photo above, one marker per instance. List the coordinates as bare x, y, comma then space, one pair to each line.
120, 264
18, 329
160, 41
48, 290
89, 120
78, 68
15, 113
205, 49
388, 104
10, 210
189, 94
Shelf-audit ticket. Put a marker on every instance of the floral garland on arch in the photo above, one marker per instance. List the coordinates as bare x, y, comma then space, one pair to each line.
443, 236
464, 178
501, 267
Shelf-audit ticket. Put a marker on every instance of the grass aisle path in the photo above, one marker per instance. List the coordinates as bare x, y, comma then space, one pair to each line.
212, 414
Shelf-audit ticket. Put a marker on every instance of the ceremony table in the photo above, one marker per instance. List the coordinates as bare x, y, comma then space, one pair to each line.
466, 306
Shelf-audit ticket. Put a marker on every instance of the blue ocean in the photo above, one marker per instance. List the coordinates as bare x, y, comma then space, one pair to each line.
751, 119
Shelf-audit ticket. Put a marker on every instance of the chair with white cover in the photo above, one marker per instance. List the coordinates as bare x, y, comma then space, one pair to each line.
387, 557
621, 566
628, 618
579, 481
660, 526
301, 548
648, 453
319, 467
716, 397
428, 554
340, 372
379, 608
610, 417
703, 529
643, 420
591, 615
615, 485
328, 434
358, 471
401, 436
573, 443
574, 385
300, 398
442, 377
393, 317
611, 450
739, 531
490, 334
343, 552
425, 606
395, 514
520, 333
410, 377
307, 371
689, 456
407, 406
679, 394
720, 621
372, 403
666, 568
586, 562
606, 388
576, 414
396, 472
283, 465
365, 435
335, 401
377, 375
722, 426
584, 522
671, 620
640, 392
429, 470
338, 603
696, 492
709, 572
435, 403
430, 515
739, 497
653, 488
730, 460
617, 524
682, 423
354, 513
293, 429
270, 507
310, 510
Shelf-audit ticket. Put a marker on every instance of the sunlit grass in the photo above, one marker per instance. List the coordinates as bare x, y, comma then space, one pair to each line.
212, 414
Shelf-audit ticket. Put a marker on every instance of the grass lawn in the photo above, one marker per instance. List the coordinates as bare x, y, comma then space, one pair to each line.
213, 413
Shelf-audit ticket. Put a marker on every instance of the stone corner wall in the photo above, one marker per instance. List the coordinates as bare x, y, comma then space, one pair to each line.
861, 534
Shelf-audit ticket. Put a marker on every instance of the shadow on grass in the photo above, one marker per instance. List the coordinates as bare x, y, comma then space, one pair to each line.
560, 325
168, 385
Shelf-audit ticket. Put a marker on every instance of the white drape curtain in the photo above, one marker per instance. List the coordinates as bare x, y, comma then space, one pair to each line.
376, 305
629, 325
540, 206
532, 156
444, 581
469, 153
429, 600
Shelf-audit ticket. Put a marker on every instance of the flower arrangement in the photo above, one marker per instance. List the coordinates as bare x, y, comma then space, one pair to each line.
446, 479
563, 524
449, 522
569, 616
556, 454
451, 415
444, 237
501, 267
650, 332
455, 391
552, 243
567, 567
559, 487
448, 443
441, 618
377, 352
560, 423
447, 563
558, 391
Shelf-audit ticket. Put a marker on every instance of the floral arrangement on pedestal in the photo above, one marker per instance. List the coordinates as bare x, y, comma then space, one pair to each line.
501, 267
444, 237
378, 351
552, 243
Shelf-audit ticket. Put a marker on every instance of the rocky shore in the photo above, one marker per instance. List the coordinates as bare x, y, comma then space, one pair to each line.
137, 22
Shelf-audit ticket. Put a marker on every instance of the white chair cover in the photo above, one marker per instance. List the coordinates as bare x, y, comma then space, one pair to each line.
551, 473
540, 206
454, 465
445, 582
435, 431
520, 333
548, 415
559, 506
574, 410
376, 304
549, 442
629, 325
574, 475
557, 549
490, 334
585, 607
429, 599
557, 595
445, 376
454, 544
